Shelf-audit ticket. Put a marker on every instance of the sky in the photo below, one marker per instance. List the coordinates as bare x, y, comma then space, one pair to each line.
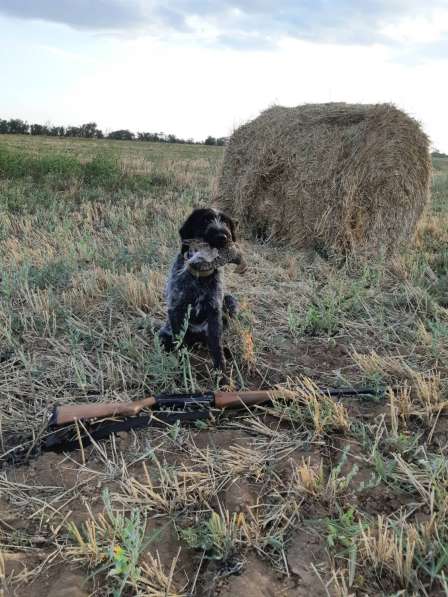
202, 67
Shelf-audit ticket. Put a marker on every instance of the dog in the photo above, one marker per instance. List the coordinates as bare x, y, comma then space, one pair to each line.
197, 294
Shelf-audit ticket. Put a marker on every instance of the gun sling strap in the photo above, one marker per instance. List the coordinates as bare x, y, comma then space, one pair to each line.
70, 437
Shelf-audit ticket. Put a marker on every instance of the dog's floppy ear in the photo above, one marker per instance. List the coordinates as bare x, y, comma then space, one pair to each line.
194, 224
185, 231
190, 228
232, 224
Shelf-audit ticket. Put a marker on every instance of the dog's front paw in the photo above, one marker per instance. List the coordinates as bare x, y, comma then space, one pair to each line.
220, 367
230, 305
166, 340
222, 380
220, 364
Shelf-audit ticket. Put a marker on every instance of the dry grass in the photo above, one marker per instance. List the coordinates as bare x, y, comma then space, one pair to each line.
83, 268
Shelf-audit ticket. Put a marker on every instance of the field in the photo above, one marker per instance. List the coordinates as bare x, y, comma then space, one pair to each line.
312, 497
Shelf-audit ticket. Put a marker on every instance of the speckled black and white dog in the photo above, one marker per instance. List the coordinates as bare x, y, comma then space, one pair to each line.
198, 291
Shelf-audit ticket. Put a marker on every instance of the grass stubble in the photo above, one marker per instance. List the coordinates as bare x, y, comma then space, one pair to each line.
87, 233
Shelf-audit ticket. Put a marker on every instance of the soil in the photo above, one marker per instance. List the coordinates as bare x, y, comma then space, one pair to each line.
68, 491
317, 358
256, 577
39, 572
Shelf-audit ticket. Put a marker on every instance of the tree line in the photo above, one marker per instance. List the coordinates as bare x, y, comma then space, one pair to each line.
90, 130
438, 154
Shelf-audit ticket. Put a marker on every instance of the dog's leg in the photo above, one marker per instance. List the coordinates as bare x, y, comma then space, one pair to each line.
230, 308
230, 305
172, 329
170, 332
214, 338
177, 318
166, 337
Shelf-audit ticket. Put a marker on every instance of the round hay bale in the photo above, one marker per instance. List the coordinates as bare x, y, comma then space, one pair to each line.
335, 177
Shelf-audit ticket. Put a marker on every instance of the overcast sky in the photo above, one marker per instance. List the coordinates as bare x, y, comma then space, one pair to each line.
200, 67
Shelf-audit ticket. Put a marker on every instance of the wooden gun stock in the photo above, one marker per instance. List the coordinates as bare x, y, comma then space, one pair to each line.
76, 412
248, 398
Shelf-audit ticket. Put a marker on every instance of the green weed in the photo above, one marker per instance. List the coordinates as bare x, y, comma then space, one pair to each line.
218, 536
113, 544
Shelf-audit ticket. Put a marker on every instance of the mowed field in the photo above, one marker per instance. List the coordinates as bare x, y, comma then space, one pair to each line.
312, 497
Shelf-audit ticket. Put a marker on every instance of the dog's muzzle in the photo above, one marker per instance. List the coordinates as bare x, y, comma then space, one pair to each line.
200, 273
201, 263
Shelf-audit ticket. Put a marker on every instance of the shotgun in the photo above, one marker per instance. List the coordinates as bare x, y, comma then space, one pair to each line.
70, 413
74, 425
220, 400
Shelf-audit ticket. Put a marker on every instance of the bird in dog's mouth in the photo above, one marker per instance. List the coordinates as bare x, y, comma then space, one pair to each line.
203, 258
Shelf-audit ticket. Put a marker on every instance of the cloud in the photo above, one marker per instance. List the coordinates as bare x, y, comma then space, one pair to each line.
82, 14
250, 23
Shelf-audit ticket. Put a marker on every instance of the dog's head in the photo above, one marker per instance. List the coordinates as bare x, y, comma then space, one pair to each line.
210, 225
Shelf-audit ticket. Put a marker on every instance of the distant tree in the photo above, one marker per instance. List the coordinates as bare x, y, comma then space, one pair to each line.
121, 135
439, 154
39, 129
90, 131
221, 141
161, 138
73, 131
18, 127
149, 137
56, 131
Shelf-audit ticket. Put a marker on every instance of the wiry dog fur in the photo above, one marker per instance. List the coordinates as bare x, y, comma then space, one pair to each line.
204, 295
